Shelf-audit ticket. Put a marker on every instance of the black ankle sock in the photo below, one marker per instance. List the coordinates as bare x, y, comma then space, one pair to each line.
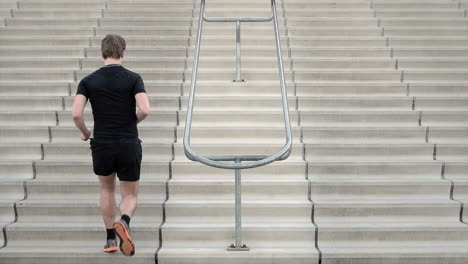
126, 218
110, 233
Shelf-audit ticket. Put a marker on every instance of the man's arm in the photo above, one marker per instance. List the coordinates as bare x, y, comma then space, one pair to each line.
143, 106
77, 114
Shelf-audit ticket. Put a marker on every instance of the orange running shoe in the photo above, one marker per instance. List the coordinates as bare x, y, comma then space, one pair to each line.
126, 244
111, 246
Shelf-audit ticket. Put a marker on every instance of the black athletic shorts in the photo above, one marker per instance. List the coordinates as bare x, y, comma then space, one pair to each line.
124, 158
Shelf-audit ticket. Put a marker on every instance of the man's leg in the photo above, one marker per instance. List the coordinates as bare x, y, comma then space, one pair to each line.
129, 192
107, 199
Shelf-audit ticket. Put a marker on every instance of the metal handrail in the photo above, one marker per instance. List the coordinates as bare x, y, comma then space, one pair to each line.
253, 160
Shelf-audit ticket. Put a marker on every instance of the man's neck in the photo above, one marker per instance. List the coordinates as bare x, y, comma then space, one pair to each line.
112, 61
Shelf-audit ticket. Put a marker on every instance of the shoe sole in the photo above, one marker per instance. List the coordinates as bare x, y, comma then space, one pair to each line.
111, 249
126, 244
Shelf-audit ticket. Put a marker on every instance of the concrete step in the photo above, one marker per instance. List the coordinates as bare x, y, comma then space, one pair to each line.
209, 149
28, 119
66, 235
337, 42
238, 103
377, 170
24, 41
452, 152
425, 31
38, 103
455, 170
372, 152
74, 190
360, 118
432, 63
61, 4
9, 52
340, 52
76, 255
146, 21
331, 21
7, 215
36, 89
421, 22
12, 190
36, 75
37, 21
58, 12
239, 89
364, 135
19, 151
331, 31
236, 135
427, 42
420, 13
395, 254
189, 212
294, 235
383, 211
354, 103
422, 52
351, 89
47, 31
24, 134
271, 118
425, 234
438, 89
414, 5
11, 170
67, 151
361, 75
143, 31
49, 211
173, 255
396, 190
451, 135
329, 13
441, 103
444, 118
49, 63
459, 193
223, 190
58, 169
303, 63
281, 170
446, 75
326, 5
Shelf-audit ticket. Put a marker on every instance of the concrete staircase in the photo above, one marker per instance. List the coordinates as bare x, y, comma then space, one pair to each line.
378, 94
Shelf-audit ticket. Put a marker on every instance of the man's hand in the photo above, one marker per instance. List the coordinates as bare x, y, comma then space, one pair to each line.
86, 135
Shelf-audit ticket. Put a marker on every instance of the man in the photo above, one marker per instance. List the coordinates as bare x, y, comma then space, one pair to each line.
114, 92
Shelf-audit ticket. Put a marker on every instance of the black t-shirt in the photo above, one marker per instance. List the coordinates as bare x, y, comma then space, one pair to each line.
111, 91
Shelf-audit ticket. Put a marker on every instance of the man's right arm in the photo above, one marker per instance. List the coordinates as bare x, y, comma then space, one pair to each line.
143, 105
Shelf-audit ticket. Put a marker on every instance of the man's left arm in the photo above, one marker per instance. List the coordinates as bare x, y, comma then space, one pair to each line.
77, 114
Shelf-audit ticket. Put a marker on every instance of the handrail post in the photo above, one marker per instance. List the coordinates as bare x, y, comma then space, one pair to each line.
238, 211
238, 53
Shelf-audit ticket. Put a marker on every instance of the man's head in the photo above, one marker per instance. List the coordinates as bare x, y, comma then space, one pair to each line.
113, 47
